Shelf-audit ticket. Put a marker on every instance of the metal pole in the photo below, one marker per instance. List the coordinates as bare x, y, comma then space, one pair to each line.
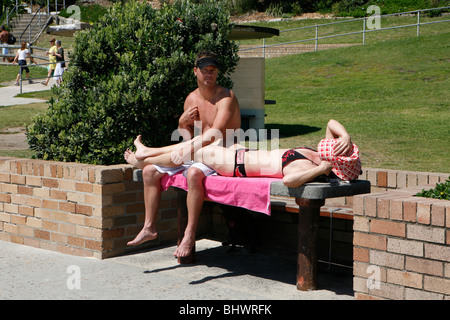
264, 47
364, 30
418, 22
20, 79
317, 35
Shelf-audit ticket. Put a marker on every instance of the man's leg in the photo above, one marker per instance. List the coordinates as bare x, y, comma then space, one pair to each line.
195, 198
152, 197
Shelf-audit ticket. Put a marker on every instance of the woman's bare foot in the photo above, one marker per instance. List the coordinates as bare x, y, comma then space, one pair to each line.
142, 151
185, 247
143, 236
130, 158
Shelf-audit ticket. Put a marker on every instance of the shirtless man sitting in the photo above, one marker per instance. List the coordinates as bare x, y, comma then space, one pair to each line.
213, 109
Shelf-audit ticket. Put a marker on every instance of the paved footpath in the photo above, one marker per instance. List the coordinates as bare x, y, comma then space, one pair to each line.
8, 93
31, 273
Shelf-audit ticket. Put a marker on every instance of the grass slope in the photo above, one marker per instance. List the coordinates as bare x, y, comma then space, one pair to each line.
392, 96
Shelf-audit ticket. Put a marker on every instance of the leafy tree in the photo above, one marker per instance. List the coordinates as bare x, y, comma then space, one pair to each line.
129, 75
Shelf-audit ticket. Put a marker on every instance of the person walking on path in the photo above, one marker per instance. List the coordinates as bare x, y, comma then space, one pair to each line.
60, 65
52, 59
4, 36
21, 57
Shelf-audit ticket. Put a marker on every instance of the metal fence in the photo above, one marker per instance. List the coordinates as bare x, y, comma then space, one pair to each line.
38, 64
364, 30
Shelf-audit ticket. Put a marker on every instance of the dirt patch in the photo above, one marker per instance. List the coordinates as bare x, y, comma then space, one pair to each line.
262, 16
13, 139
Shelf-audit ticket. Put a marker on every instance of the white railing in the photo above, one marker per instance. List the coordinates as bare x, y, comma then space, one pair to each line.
364, 30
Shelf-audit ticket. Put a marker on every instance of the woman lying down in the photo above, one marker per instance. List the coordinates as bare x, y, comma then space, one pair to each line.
336, 158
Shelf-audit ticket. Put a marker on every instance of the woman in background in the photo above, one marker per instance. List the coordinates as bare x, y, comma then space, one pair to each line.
22, 54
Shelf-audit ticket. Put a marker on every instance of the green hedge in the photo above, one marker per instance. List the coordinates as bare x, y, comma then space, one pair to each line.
441, 191
129, 75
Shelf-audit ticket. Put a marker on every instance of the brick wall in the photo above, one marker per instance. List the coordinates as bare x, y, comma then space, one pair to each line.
74, 208
88, 210
401, 242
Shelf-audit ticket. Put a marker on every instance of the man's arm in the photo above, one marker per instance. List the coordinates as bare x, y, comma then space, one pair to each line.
227, 109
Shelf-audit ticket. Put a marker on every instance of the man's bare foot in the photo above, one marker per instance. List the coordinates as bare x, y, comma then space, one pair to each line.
143, 236
130, 158
185, 247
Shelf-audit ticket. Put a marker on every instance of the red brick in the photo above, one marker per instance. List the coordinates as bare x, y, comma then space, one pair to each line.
28, 211
41, 234
82, 209
360, 254
75, 241
83, 187
17, 179
388, 227
25, 190
50, 183
113, 234
67, 206
382, 179
48, 204
18, 219
409, 210
369, 241
5, 198
94, 245
423, 213
58, 195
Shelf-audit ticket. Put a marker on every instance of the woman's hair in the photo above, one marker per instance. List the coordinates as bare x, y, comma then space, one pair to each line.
23, 45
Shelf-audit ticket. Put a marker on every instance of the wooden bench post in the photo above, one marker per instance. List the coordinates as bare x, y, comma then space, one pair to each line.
308, 238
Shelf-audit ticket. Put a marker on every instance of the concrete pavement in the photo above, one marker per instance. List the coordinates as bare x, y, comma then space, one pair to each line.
32, 273
8, 93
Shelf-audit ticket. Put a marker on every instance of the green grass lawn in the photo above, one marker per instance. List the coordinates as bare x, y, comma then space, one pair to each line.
392, 96
347, 26
8, 73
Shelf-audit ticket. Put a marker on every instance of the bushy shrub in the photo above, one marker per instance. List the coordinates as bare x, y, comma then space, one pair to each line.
129, 75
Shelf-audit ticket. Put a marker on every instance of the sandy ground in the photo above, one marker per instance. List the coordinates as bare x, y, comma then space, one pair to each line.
13, 139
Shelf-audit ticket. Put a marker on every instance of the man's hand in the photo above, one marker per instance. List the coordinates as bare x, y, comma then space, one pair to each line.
189, 116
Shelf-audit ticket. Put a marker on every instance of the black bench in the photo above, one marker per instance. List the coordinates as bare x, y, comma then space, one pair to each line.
309, 198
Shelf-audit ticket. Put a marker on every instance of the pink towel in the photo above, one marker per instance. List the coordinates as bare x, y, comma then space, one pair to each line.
250, 193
